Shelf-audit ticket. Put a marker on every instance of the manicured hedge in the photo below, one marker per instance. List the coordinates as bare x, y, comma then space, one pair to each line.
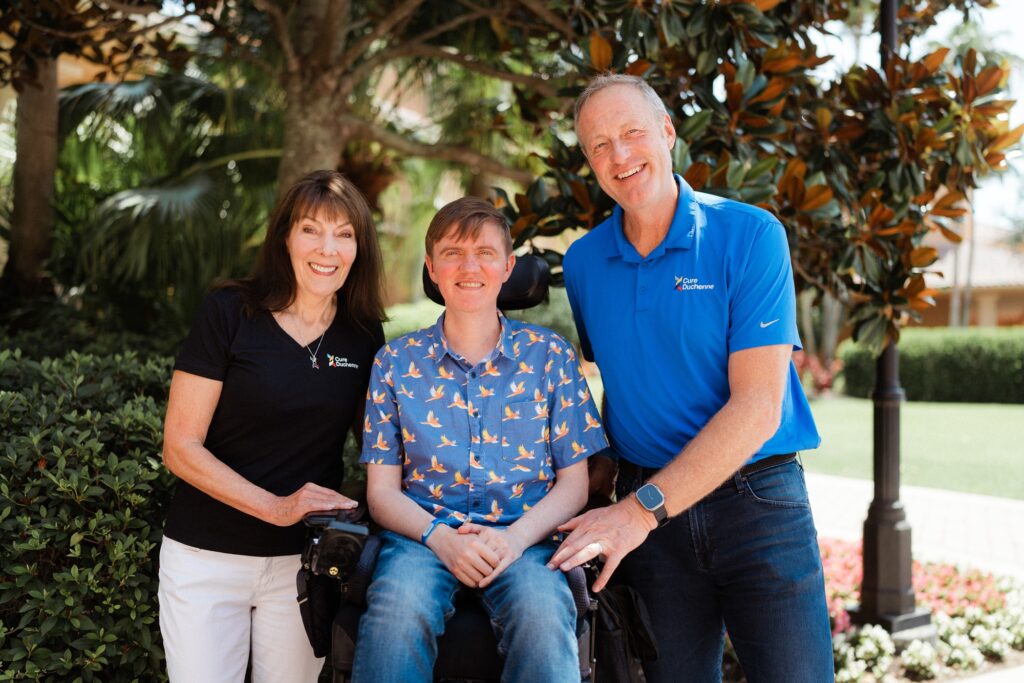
82, 498
970, 365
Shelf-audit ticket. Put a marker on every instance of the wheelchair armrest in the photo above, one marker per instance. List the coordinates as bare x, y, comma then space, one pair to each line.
577, 578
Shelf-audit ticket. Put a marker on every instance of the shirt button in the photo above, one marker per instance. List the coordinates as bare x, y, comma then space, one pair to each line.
643, 290
472, 375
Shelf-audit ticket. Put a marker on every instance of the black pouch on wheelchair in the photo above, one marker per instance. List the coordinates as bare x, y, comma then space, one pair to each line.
331, 552
623, 636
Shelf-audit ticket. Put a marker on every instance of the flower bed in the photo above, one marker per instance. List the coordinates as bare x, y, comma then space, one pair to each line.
978, 617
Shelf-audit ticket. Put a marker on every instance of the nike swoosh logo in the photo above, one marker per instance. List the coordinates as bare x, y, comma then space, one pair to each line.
770, 322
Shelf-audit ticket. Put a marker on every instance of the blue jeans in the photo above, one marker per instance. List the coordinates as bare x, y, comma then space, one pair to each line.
744, 559
411, 597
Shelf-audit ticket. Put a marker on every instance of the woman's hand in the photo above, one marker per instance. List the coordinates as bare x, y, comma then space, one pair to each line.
468, 557
504, 542
288, 510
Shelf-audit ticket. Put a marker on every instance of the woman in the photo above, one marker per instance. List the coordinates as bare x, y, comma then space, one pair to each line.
270, 379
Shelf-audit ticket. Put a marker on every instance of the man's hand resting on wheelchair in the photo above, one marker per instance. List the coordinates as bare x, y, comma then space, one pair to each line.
612, 532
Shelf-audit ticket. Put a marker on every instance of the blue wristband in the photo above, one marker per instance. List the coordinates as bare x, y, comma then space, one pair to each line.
437, 521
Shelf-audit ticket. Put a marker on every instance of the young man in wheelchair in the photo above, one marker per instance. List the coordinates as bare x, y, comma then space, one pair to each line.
477, 432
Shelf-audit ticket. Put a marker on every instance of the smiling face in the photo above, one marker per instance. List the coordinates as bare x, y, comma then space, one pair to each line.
322, 248
469, 272
629, 147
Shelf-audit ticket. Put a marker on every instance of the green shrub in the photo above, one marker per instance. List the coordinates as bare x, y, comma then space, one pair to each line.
49, 328
82, 500
973, 365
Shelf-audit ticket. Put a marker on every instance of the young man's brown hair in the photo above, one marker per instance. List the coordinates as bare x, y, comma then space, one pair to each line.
463, 219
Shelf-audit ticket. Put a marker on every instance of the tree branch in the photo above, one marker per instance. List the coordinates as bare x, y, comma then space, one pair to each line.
126, 8
540, 9
91, 30
280, 22
361, 72
542, 86
462, 155
380, 30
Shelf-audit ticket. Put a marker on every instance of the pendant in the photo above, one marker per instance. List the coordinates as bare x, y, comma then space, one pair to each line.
316, 366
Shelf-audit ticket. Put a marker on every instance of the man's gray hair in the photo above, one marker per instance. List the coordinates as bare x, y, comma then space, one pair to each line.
603, 81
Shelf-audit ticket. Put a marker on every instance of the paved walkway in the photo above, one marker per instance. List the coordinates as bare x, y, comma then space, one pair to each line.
962, 528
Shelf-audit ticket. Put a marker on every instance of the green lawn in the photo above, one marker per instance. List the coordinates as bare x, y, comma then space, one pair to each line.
972, 447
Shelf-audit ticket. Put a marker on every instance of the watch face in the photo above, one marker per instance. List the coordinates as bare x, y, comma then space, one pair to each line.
650, 497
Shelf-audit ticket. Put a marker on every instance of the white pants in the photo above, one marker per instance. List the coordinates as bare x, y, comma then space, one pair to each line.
212, 605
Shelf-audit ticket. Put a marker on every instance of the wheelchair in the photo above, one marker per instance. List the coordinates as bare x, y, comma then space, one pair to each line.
346, 550
343, 548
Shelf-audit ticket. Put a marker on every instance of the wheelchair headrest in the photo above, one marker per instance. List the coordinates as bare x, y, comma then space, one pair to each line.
526, 287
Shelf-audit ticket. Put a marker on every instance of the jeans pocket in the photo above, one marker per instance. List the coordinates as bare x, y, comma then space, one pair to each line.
782, 486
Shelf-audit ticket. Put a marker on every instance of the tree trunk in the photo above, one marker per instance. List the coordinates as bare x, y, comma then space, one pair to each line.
35, 166
312, 137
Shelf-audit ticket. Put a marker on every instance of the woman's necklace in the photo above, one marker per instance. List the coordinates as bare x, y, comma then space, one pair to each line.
312, 354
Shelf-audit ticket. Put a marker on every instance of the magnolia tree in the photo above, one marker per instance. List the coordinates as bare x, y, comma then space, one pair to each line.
858, 167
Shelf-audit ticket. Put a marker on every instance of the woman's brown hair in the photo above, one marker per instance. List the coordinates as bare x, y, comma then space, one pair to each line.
271, 286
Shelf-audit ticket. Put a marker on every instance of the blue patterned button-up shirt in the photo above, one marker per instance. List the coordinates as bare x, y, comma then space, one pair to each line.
482, 443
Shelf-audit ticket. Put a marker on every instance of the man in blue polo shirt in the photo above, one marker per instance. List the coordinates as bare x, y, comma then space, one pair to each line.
686, 302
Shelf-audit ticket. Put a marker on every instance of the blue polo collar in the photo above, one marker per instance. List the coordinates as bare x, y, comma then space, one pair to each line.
687, 218
504, 347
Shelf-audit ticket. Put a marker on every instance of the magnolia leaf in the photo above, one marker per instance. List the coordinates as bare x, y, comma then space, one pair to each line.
706, 62
924, 198
734, 176
765, 5
934, 61
989, 79
950, 235
824, 117
638, 68
1006, 139
872, 333
796, 168
783, 64
761, 167
923, 256
776, 87
580, 194
523, 203
816, 197
914, 286
970, 61
694, 126
697, 175
600, 52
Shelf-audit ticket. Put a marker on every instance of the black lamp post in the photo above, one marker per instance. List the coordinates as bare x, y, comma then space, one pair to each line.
887, 590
